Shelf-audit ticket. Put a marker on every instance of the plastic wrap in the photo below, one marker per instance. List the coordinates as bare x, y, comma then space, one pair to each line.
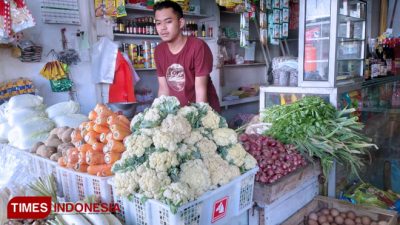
17, 117
63, 108
4, 129
70, 120
25, 101
20, 16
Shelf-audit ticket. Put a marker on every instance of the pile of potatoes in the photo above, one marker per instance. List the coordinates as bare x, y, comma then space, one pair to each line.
335, 217
56, 145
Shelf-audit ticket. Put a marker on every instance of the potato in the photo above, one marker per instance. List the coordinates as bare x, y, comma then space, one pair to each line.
349, 221
374, 223
322, 219
64, 146
382, 223
330, 218
55, 156
312, 222
61, 130
339, 220
357, 219
53, 141
365, 220
313, 216
334, 212
66, 136
45, 151
326, 223
36, 146
325, 211
54, 131
351, 215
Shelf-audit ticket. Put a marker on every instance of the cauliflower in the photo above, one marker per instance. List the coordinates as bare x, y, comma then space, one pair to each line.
206, 147
224, 136
151, 183
177, 125
194, 137
205, 132
164, 140
151, 118
166, 105
149, 131
236, 155
195, 174
178, 193
136, 144
203, 106
249, 162
126, 183
220, 170
190, 113
136, 121
210, 120
162, 161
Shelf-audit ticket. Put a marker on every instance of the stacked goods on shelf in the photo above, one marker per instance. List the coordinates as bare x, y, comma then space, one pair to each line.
175, 155
27, 120
66, 114
319, 130
97, 143
323, 210
12, 88
274, 159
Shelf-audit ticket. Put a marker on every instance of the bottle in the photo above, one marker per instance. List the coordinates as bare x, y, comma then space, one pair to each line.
210, 31
196, 29
121, 27
134, 27
203, 30
151, 26
140, 27
128, 27
116, 27
147, 24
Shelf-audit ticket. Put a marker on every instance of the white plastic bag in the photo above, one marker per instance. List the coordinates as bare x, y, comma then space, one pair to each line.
25, 101
3, 108
4, 129
27, 142
34, 126
62, 108
20, 115
71, 120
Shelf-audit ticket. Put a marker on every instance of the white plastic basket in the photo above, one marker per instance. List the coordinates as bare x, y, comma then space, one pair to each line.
235, 197
77, 186
42, 166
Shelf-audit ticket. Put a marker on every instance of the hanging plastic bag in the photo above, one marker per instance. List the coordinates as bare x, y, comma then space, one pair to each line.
21, 18
5, 21
61, 85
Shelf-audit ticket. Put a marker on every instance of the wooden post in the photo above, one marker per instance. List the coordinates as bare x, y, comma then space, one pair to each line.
383, 19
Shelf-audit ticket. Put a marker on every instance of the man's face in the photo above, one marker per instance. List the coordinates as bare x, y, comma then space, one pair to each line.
168, 25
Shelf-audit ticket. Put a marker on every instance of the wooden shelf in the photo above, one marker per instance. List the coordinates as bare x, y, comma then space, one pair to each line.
244, 65
137, 36
135, 8
240, 101
380, 80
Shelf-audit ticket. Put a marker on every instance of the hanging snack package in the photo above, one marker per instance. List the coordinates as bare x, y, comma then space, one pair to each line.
268, 4
285, 30
5, 20
276, 4
20, 16
61, 85
285, 15
284, 3
121, 11
277, 16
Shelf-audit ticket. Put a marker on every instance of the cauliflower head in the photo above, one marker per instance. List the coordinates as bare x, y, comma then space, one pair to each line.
162, 161
126, 183
152, 118
136, 144
177, 125
220, 170
210, 120
224, 136
136, 121
193, 138
151, 183
178, 193
164, 140
236, 155
166, 104
190, 113
207, 147
195, 174
249, 162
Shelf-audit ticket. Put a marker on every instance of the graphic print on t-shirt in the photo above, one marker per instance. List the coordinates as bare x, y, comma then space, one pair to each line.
176, 77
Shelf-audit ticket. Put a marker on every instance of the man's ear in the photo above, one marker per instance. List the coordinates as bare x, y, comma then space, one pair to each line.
182, 22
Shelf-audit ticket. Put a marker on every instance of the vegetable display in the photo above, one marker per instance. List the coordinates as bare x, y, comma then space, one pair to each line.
319, 130
333, 216
97, 143
176, 154
274, 159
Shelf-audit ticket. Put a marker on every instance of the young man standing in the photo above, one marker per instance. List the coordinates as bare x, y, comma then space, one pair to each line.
183, 63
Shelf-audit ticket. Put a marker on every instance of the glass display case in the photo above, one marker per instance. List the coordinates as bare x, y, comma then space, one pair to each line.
332, 41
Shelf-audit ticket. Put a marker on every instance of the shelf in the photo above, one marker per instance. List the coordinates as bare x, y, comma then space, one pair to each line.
318, 39
380, 80
137, 36
343, 39
240, 101
229, 12
141, 9
311, 24
145, 69
350, 59
352, 19
143, 36
322, 17
244, 65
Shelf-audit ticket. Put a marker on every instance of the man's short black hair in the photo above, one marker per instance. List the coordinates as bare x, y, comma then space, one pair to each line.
169, 4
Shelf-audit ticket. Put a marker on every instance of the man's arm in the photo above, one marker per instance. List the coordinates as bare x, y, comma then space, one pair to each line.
201, 88
162, 87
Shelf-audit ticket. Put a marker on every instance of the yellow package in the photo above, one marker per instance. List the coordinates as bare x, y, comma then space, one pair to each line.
120, 5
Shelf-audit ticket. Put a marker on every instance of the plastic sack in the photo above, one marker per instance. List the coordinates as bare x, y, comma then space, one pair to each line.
4, 129
25, 101
71, 120
34, 126
19, 116
26, 142
3, 108
104, 56
63, 108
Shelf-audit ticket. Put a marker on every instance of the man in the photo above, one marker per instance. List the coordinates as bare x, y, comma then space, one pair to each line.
183, 63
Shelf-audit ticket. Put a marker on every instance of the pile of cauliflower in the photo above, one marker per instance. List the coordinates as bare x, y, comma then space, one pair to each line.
176, 154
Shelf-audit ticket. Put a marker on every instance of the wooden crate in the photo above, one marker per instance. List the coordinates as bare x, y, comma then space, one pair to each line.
265, 194
320, 202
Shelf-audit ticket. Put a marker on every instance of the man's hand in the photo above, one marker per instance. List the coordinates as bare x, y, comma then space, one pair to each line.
162, 87
201, 88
